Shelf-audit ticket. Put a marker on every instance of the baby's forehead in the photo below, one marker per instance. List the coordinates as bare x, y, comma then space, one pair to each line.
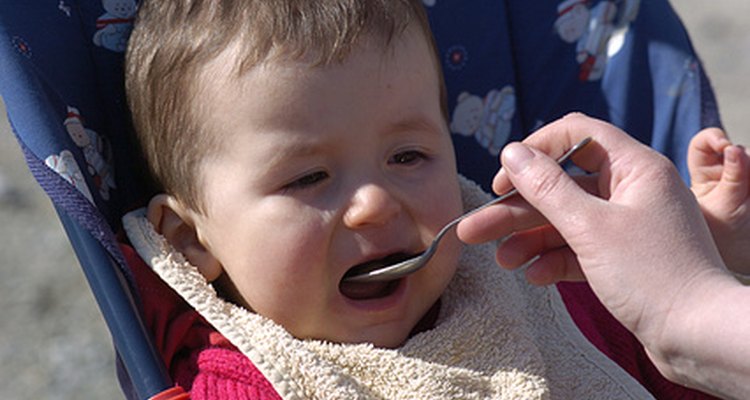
222, 86
243, 54
237, 61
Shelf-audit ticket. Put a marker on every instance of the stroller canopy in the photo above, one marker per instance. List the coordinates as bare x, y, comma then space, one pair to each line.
510, 67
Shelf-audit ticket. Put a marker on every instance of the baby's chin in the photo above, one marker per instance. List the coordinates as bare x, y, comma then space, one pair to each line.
390, 336
392, 339
387, 336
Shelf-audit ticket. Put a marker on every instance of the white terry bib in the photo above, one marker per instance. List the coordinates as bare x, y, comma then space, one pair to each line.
496, 338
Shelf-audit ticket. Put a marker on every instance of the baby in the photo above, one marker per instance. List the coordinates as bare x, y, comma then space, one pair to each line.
290, 154
294, 141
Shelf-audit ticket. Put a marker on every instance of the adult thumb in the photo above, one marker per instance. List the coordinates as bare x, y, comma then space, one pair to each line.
545, 185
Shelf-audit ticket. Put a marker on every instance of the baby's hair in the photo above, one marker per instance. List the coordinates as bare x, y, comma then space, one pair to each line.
174, 40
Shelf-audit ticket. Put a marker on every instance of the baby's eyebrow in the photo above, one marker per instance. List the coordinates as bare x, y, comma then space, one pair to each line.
289, 150
298, 148
413, 124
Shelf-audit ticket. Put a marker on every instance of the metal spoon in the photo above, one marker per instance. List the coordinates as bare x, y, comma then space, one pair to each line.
406, 267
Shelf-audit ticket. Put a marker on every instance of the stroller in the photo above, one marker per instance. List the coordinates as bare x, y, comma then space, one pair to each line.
61, 78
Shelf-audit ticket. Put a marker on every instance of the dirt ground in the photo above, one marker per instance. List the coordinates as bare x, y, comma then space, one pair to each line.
53, 343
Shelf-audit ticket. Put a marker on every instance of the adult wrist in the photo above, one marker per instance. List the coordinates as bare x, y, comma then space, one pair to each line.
700, 345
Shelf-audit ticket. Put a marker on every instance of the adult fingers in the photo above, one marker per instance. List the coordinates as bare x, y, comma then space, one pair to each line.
555, 266
609, 145
513, 215
521, 247
499, 221
544, 184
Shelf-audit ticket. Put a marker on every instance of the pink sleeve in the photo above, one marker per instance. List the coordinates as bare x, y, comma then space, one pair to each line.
617, 343
198, 358
225, 373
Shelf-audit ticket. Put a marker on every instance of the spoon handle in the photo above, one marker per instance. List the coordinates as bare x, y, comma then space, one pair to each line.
560, 160
415, 263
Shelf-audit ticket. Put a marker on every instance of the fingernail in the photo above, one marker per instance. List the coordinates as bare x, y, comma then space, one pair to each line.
516, 157
730, 155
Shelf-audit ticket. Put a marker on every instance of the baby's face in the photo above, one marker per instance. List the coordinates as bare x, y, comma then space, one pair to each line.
326, 168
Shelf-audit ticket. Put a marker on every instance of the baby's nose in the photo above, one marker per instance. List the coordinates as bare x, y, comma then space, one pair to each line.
371, 205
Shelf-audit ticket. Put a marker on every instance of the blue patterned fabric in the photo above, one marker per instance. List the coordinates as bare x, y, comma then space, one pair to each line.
510, 67
62, 83
61, 79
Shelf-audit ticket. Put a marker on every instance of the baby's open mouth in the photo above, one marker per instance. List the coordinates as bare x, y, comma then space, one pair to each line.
371, 290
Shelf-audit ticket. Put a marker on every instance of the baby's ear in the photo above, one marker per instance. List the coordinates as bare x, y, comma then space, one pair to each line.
176, 223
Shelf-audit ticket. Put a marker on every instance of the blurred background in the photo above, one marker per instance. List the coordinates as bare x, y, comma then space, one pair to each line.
53, 342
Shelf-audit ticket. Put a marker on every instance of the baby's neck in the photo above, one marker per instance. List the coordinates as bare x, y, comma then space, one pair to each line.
428, 320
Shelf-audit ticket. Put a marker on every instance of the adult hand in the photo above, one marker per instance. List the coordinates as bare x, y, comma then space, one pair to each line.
637, 234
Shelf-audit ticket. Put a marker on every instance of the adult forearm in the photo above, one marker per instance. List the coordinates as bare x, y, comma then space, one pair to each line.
708, 346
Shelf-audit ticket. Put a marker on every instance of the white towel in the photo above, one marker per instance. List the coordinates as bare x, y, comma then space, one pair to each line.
496, 337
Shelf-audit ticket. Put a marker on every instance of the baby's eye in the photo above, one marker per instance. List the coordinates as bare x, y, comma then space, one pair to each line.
408, 157
307, 180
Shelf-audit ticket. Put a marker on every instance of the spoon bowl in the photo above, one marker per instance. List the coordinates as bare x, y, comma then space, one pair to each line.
411, 265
